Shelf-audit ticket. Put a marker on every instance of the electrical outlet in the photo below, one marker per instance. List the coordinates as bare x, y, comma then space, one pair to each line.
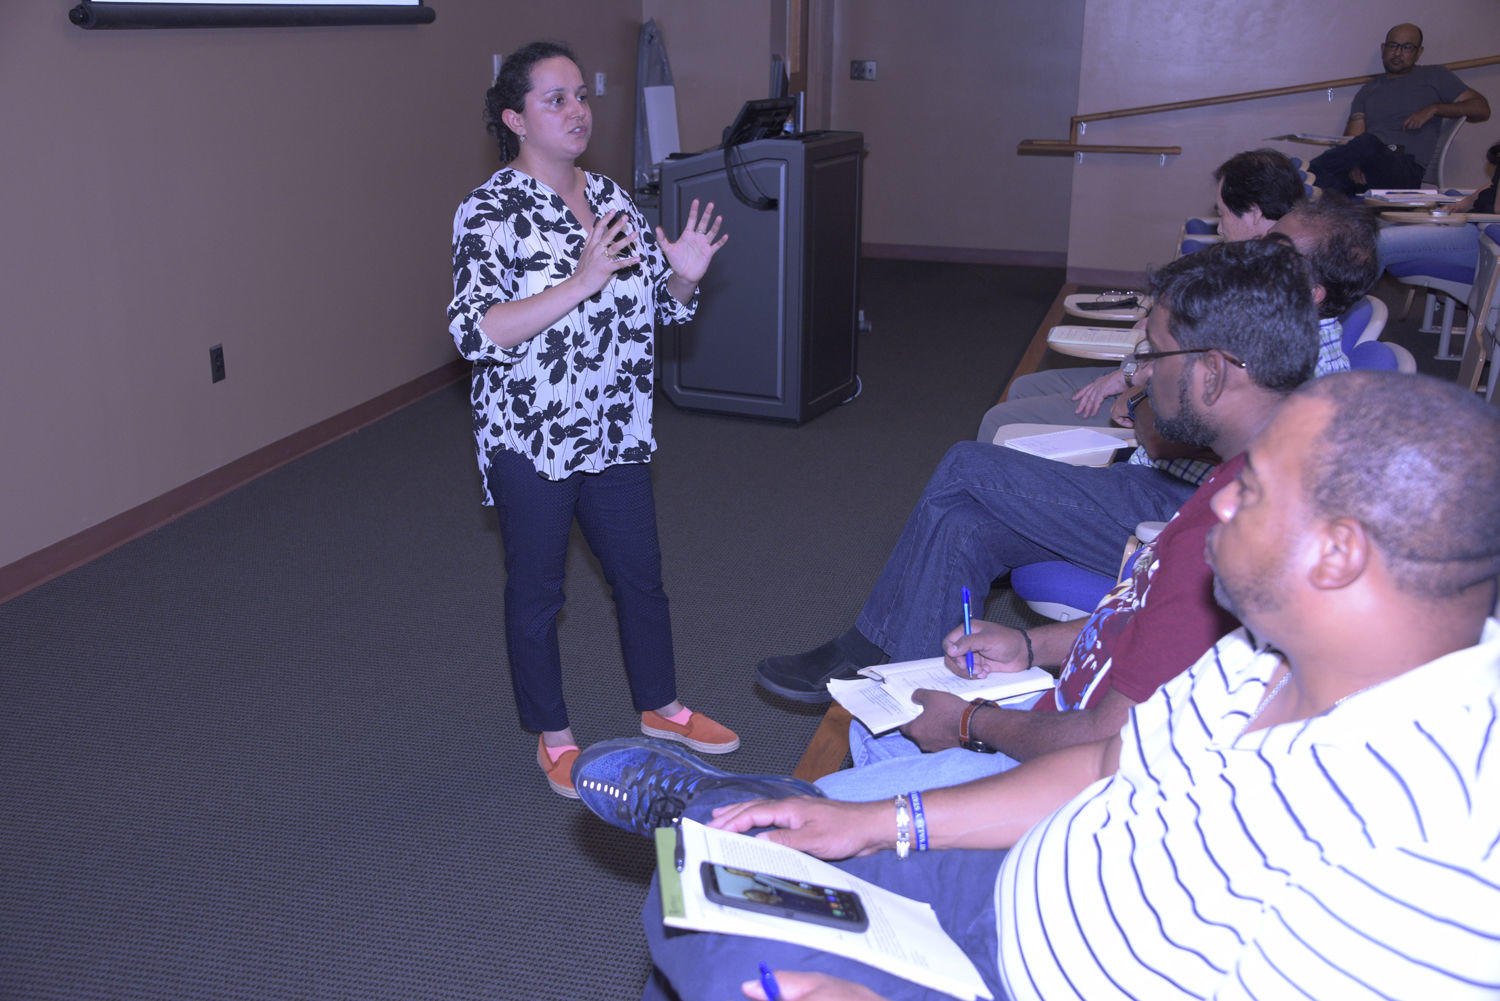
599, 82
216, 362
495, 61
862, 69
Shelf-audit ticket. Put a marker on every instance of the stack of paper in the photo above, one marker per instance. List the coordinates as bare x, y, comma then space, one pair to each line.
881, 700
1121, 340
1068, 443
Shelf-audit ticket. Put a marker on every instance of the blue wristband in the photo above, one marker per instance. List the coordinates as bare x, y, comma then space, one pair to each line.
919, 820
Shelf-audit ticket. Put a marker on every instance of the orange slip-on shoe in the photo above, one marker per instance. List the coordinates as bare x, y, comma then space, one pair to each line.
699, 732
560, 772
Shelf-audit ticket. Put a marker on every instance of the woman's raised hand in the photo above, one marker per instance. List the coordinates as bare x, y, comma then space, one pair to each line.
690, 254
606, 251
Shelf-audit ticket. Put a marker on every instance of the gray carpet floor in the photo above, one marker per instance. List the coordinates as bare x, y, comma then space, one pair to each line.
269, 750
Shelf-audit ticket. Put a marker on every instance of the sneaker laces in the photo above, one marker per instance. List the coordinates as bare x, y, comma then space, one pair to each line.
657, 797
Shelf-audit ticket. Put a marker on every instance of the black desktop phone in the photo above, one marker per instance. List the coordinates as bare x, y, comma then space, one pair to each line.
761, 119
786, 898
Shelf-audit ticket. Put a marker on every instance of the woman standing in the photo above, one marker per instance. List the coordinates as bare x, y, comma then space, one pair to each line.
558, 285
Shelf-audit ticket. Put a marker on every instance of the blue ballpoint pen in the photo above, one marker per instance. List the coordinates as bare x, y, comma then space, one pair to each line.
968, 630
768, 983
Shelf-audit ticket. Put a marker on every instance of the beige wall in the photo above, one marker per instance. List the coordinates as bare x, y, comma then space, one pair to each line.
721, 58
1126, 209
287, 193
959, 84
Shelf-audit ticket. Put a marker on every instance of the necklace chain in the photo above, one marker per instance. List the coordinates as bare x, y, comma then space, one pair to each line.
1276, 690
1266, 699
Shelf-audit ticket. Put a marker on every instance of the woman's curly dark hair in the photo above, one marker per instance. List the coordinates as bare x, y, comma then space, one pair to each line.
510, 89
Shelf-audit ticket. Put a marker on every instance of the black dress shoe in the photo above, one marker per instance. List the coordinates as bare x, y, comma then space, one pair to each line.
804, 677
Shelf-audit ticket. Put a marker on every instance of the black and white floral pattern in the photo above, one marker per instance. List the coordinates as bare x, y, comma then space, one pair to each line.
577, 396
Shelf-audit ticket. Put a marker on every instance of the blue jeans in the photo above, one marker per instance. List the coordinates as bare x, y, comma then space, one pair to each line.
617, 513
988, 509
960, 886
890, 765
1455, 248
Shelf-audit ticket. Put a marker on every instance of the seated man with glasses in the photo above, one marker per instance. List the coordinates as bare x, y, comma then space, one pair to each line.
1395, 120
1214, 310
1254, 189
987, 509
1304, 813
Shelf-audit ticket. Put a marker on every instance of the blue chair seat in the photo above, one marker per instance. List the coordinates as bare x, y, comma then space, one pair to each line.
1448, 272
1058, 589
1373, 355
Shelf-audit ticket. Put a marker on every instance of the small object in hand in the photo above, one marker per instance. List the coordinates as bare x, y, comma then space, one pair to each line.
1129, 302
1440, 213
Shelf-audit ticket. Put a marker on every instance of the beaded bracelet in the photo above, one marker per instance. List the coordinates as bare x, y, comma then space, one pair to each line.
921, 819
903, 828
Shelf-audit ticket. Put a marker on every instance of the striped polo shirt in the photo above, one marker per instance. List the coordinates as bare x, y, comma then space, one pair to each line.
1352, 855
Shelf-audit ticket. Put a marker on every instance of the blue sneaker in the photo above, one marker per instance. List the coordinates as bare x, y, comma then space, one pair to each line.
640, 785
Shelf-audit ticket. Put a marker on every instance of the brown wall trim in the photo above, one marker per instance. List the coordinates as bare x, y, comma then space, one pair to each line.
965, 255
74, 551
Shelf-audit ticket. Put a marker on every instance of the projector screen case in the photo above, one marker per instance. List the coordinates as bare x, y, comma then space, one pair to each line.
257, 15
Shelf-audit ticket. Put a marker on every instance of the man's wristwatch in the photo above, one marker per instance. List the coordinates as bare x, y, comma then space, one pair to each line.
966, 739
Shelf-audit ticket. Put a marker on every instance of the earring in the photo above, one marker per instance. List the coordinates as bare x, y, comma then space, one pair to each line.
522, 138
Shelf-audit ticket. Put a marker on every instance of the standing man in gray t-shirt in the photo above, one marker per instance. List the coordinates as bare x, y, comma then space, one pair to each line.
1394, 120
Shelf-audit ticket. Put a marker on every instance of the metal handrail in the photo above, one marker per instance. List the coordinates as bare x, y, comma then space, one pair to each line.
1078, 123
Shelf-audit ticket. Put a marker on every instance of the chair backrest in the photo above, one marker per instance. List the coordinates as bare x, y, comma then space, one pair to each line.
1435, 173
1200, 225
1188, 244
1483, 344
1483, 293
1363, 322
1361, 326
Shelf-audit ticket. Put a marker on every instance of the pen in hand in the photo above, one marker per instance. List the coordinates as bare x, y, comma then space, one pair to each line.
679, 853
968, 630
768, 983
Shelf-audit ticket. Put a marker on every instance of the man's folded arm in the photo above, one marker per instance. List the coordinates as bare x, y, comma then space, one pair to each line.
1470, 104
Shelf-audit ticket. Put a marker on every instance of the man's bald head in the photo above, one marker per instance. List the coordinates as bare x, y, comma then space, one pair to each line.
1416, 461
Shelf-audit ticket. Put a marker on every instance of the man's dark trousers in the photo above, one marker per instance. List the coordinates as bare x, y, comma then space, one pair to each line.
1384, 166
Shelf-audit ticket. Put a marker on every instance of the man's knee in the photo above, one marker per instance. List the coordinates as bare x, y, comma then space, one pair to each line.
964, 463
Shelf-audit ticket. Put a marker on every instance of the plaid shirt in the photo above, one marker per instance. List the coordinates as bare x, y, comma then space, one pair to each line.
1331, 358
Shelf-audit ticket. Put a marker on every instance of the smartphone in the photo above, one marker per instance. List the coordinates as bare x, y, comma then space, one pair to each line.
786, 898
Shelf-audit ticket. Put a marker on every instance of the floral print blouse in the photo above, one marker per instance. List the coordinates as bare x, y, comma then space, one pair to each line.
577, 396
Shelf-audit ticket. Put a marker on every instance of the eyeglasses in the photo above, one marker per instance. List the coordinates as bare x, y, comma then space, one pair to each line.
1139, 357
1142, 357
1406, 48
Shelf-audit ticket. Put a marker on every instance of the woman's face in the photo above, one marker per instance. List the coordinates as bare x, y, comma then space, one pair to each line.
555, 119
